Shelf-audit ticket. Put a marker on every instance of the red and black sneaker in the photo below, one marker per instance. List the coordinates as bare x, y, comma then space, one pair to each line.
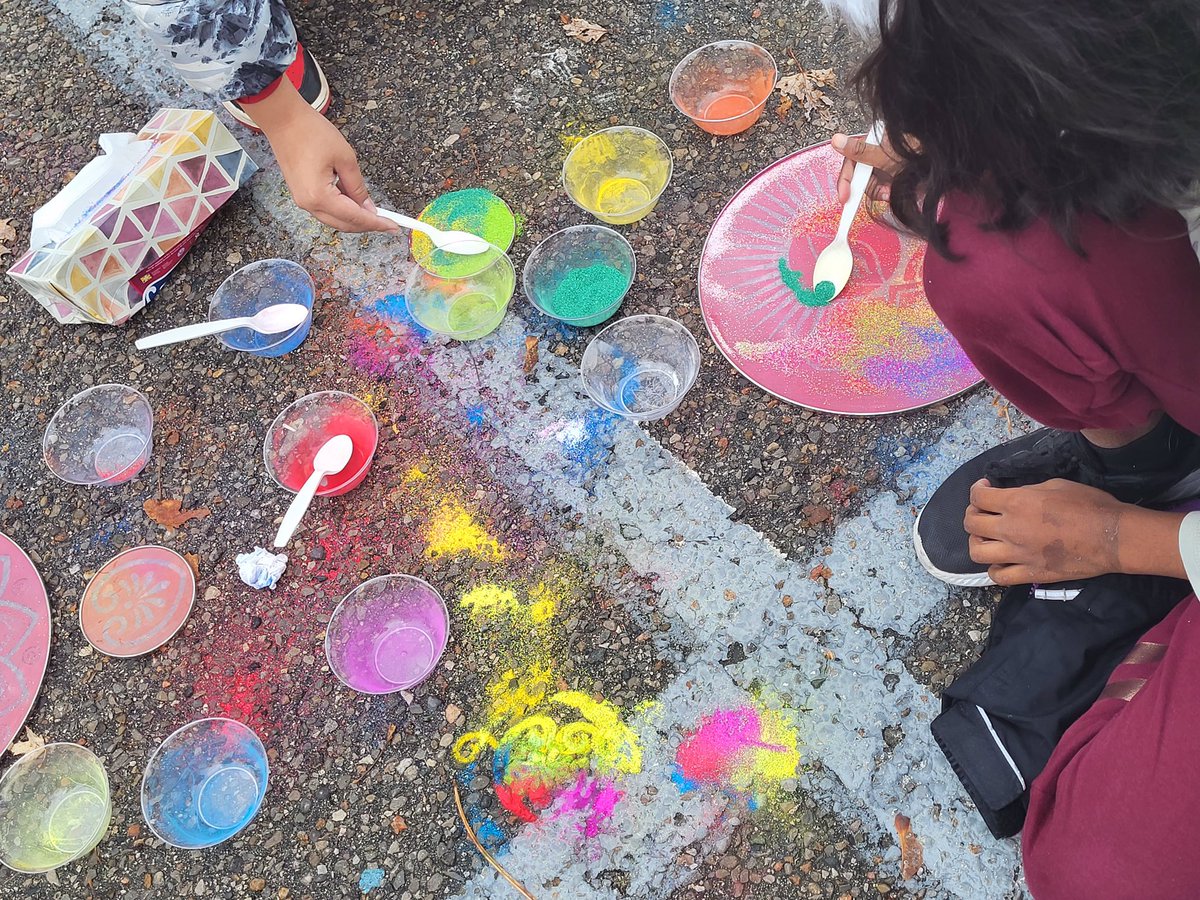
309, 80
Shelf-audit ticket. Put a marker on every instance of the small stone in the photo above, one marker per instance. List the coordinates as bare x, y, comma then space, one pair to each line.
452, 713
257, 885
338, 815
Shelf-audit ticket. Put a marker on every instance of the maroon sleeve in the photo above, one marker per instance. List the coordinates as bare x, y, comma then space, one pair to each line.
1094, 341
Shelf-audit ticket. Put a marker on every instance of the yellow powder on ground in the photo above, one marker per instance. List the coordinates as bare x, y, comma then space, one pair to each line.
776, 765
489, 601
414, 474
453, 530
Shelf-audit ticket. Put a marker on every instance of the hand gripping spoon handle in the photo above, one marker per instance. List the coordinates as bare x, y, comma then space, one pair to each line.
836, 262
333, 456
460, 242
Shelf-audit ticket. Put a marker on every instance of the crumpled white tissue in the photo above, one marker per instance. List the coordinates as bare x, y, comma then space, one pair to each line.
261, 568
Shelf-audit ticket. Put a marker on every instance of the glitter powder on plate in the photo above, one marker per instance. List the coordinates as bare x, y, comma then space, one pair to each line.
877, 348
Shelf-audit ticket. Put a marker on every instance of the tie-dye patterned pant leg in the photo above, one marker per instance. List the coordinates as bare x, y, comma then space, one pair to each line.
225, 48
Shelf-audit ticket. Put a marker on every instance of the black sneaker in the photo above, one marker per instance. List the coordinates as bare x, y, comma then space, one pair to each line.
1174, 475
306, 75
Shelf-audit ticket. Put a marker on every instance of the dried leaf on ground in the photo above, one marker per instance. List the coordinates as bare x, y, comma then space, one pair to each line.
171, 514
531, 353
193, 560
584, 31
912, 854
808, 86
8, 234
33, 741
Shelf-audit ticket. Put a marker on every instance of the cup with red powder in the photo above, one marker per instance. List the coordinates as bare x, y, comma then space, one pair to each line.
724, 86
580, 275
305, 426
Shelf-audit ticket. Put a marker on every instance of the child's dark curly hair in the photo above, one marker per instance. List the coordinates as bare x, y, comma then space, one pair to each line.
1046, 108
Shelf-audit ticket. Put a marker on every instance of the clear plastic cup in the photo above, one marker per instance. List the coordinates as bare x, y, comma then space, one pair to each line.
618, 174
101, 436
723, 87
303, 428
255, 287
204, 783
580, 275
465, 306
387, 635
640, 367
54, 808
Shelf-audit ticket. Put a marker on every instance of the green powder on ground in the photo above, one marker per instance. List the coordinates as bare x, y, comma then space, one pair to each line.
587, 292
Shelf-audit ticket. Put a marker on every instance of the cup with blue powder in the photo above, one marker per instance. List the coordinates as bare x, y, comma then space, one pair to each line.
580, 275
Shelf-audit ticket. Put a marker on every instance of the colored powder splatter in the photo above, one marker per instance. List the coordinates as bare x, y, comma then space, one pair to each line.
475, 211
489, 601
587, 442
370, 879
598, 797
745, 749
453, 530
394, 311
415, 473
477, 416
586, 292
541, 741
667, 13
544, 603
794, 282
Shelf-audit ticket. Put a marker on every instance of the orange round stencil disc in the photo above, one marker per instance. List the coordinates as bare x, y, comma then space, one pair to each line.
137, 601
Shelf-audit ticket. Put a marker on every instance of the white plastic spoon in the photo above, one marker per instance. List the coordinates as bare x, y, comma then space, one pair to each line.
462, 243
272, 319
333, 456
836, 261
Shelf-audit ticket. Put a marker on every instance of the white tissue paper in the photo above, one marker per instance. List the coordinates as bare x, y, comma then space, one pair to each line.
261, 568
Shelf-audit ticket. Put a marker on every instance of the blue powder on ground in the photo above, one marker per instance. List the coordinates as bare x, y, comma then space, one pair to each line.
685, 784
370, 879
477, 416
392, 309
587, 446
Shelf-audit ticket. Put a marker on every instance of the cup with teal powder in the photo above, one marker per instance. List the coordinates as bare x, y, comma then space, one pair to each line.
580, 275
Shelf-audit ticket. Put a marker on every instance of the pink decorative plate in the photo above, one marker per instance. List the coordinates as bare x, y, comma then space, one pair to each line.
137, 601
876, 349
24, 637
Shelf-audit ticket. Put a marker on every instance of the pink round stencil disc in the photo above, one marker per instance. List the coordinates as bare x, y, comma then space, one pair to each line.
24, 637
877, 348
137, 601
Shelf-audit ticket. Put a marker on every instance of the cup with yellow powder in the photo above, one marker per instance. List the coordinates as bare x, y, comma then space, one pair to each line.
618, 174
580, 275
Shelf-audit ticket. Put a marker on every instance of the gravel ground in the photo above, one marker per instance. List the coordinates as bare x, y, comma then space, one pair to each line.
361, 783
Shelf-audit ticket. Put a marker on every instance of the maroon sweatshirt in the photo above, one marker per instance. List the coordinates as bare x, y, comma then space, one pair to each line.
1095, 341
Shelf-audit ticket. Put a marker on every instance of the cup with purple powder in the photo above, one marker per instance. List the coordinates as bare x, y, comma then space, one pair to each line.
387, 634
580, 275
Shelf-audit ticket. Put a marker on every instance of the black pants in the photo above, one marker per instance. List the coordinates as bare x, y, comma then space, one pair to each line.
1046, 662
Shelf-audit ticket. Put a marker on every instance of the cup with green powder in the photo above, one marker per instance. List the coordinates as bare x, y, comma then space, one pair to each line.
465, 307
580, 275
475, 211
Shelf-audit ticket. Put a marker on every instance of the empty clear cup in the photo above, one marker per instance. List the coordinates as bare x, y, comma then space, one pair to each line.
618, 174
101, 436
204, 783
723, 87
255, 287
54, 807
641, 367
387, 634
580, 275
467, 305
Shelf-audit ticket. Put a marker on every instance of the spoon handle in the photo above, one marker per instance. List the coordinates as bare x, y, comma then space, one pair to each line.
299, 506
858, 186
189, 332
406, 222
